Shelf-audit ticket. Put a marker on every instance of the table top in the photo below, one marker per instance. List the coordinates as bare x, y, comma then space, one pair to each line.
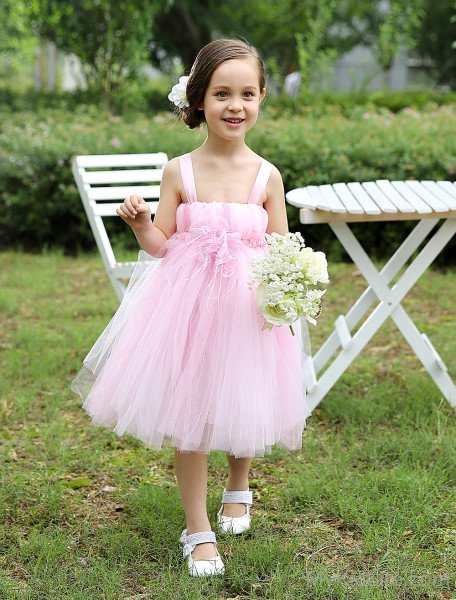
380, 200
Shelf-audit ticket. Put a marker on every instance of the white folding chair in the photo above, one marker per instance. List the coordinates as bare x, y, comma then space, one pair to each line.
382, 200
94, 175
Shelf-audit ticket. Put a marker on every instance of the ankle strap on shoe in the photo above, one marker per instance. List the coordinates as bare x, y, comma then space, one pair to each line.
197, 538
237, 497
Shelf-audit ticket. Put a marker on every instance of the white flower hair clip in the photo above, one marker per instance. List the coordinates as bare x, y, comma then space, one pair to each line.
178, 93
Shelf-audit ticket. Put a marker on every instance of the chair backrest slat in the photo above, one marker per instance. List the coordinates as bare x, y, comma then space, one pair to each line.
121, 192
108, 209
123, 176
94, 161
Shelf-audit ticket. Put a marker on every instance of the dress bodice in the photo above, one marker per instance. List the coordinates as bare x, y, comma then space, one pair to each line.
249, 219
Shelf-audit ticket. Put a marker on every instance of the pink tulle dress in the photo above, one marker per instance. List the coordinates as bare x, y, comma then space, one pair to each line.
184, 361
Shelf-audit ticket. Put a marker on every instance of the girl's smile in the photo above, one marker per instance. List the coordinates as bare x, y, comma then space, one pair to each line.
234, 123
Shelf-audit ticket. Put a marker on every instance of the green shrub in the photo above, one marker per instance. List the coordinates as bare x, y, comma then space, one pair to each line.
136, 95
349, 103
40, 205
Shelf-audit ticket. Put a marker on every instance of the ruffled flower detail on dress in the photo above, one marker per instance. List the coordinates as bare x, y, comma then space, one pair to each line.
218, 245
214, 247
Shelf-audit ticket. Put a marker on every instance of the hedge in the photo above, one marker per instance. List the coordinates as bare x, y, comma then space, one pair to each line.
151, 96
40, 205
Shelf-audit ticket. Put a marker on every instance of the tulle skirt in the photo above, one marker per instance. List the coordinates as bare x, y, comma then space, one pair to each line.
185, 361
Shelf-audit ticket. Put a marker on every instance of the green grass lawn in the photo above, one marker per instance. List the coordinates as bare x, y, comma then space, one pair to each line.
365, 510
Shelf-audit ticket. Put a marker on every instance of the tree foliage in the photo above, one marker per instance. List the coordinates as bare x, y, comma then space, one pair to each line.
180, 29
17, 42
436, 40
183, 28
290, 33
111, 40
312, 55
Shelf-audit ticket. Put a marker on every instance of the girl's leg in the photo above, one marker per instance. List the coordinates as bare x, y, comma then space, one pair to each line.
191, 474
238, 479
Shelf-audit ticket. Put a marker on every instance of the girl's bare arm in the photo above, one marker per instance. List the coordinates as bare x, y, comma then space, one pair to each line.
151, 235
275, 204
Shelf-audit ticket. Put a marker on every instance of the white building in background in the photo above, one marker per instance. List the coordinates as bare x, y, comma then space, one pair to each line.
355, 66
358, 69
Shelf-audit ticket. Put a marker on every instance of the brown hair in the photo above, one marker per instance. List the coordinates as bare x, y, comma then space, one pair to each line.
208, 59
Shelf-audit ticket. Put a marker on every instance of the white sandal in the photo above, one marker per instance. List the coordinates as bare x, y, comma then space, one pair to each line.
201, 567
235, 525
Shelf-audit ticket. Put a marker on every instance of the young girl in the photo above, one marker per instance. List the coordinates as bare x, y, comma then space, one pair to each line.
184, 362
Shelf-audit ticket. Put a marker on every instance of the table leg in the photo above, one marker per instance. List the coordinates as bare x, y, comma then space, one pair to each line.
389, 306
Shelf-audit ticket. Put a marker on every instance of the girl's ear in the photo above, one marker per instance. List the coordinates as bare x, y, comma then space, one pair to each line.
262, 95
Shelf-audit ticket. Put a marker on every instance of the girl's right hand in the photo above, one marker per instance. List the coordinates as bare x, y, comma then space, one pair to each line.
135, 211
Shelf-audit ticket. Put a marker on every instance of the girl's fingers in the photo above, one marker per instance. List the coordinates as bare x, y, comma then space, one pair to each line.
131, 206
133, 202
119, 212
124, 212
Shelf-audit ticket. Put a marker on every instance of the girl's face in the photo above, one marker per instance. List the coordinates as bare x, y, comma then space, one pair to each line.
233, 98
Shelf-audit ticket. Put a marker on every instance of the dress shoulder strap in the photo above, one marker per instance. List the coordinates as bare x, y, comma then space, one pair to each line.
261, 181
188, 179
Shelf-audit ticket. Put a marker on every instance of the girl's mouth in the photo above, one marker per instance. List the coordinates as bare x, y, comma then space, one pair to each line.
233, 122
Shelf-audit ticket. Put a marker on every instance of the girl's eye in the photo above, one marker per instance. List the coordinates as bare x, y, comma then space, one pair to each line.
248, 94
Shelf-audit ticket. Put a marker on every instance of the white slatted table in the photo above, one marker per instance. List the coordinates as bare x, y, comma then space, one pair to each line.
382, 200
104, 181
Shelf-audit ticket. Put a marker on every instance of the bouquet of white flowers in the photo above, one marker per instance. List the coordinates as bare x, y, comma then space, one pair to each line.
284, 276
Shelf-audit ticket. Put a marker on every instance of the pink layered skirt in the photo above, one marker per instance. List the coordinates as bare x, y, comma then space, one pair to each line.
185, 361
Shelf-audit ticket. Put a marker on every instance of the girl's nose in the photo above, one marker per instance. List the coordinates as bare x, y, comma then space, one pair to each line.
235, 105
